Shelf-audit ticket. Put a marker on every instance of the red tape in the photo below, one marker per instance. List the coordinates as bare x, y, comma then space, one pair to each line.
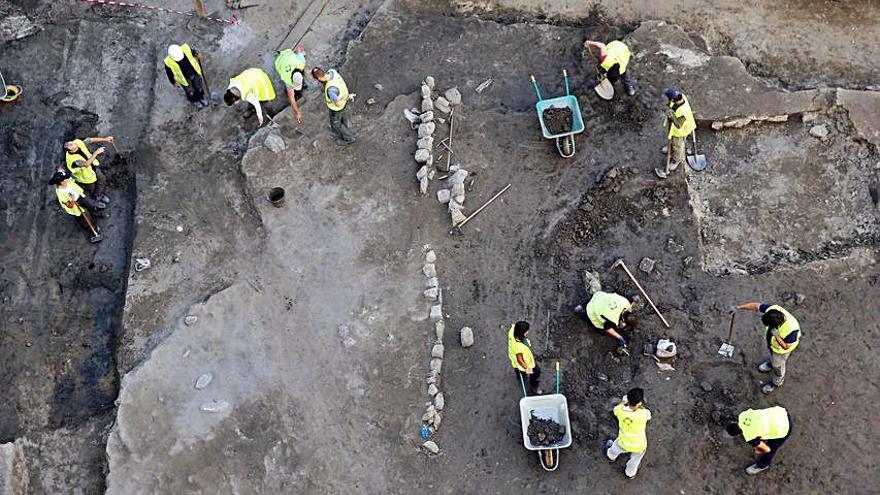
234, 19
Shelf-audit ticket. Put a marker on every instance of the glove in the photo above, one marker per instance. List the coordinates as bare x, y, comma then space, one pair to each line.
622, 342
670, 114
530, 371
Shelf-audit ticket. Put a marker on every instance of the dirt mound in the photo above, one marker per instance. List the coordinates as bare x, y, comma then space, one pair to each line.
557, 120
545, 431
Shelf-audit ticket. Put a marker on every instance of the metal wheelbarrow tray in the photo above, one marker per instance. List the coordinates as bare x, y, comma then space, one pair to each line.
555, 407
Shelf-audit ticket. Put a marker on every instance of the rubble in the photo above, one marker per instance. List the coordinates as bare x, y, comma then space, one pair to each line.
432, 390
214, 406
432, 282
203, 381
427, 107
426, 130
439, 328
430, 256
466, 335
819, 131
647, 265
431, 293
442, 105
429, 270
439, 402
426, 91
431, 447
429, 82
436, 312
544, 432
453, 95
422, 155
437, 351
190, 320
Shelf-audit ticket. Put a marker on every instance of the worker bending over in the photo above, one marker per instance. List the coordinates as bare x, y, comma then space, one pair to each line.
782, 333
75, 203
83, 165
290, 65
336, 96
765, 430
681, 122
183, 67
519, 350
614, 61
606, 312
632, 421
253, 86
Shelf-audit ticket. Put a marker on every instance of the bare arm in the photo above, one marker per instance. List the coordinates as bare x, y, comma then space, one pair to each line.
603, 50
95, 140
521, 362
291, 97
762, 448
752, 306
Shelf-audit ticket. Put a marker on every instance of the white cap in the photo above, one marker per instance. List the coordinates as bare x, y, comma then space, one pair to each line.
175, 52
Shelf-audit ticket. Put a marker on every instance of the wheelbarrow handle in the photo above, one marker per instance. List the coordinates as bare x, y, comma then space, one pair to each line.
557, 377
565, 76
535, 84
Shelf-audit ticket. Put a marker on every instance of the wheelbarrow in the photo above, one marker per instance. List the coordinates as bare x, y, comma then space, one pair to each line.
551, 406
564, 140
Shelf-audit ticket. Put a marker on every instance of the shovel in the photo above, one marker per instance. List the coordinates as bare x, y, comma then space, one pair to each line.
695, 161
727, 348
604, 89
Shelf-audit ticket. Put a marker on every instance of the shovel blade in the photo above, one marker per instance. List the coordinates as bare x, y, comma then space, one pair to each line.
605, 89
697, 162
726, 350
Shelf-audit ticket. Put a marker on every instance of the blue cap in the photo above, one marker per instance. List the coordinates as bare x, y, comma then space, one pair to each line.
672, 93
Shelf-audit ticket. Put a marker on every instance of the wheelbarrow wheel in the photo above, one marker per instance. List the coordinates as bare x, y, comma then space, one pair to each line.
565, 145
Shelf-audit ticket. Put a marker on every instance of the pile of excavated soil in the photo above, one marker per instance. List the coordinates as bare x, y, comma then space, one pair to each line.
557, 120
545, 431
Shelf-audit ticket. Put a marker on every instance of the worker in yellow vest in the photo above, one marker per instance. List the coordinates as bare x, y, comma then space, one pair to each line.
183, 66
75, 203
614, 63
632, 421
84, 166
681, 123
782, 333
290, 65
253, 86
519, 351
336, 97
607, 313
765, 430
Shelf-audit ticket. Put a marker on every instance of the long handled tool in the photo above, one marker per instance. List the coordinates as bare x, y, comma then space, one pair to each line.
727, 348
603, 88
96, 237
472, 215
639, 286
695, 161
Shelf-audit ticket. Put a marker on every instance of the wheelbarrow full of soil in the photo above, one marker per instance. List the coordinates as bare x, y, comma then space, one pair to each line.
545, 425
560, 118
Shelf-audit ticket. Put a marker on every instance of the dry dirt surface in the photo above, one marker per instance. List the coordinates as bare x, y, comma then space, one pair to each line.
286, 350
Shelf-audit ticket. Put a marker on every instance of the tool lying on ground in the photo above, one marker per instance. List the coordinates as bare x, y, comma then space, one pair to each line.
727, 348
553, 407
696, 161
449, 144
236, 5
472, 215
639, 286
10, 92
604, 88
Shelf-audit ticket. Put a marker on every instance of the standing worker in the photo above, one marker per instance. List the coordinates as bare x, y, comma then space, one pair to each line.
614, 62
519, 350
681, 122
290, 65
183, 66
253, 86
765, 430
606, 312
336, 96
782, 333
632, 421
83, 166
74, 201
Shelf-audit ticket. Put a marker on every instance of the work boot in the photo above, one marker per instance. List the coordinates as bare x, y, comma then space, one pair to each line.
755, 469
768, 387
608, 444
674, 166
580, 310
661, 172
664, 149
765, 367
630, 89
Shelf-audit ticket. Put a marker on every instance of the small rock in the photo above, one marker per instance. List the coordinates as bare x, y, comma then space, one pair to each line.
458, 177
426, 91
706, 386
432, 293
466, 335
422, 173
274, 143
454, 96
436, 312
819, 131
179, 228
427, 116
423, 185
430, 256
455, 205
647, 265
717, 126
687, 260
432, 282
426, 129
371, 101
602, 376
190, 320
456, 215
459, 199
436, 365
457, 189
431, 379
428, 106
799, 298
432, 390
429, 270
439, 402
442, 104
808, 117
436, 421
437, 351
431, 447
439, 328
214, 406
429, 81
203, 381
141, 264
422, 155
431, 174
378, 87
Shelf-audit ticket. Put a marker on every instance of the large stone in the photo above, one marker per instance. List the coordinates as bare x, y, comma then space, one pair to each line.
456, 216
427, 116
275, 143
426, 129
437, 351
426, 91
16, 27
458, 177
436, 365
467, 336
453, 95
432, 282
423, 185
819, 131
459, 200
430, 256
432, 293
422, 155
422, 173
439, 402
436, 312
13, 470
431, 447
457, 189
429, 82
439, 329
432, 390
437, 419
442, 104
443, 195
425, 143
190, 320
427, 107
429, 270
455, 205
203, 381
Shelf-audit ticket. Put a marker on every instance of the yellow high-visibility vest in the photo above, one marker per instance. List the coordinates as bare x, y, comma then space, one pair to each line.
766, 424
607, 305
689, 123
631, 428
790, 325
337, 82
515, 347
287, 62
254, 81
64, 197
83, 175
616, 52
175, 68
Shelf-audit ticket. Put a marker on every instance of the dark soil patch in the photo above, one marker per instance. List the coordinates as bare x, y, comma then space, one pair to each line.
545, 431
558, 120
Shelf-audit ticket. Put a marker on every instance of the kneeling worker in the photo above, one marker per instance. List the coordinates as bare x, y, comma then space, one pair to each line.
614, 62
606, 312
765, 430
253, 86
74, 201
519, 350
290, 65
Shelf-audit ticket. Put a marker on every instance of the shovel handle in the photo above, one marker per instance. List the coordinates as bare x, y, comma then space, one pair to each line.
730, 328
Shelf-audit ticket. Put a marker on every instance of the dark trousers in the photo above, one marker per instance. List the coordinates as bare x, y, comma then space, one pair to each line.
81, 220
339, 124
96, 189
195, 92
532, 380
764, 460
614, 75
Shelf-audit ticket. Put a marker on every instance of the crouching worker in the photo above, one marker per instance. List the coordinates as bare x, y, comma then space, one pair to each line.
253, 86
606, 312
74, 201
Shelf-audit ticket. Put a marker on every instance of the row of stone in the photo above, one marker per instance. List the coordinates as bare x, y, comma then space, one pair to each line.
427, 125
454, 196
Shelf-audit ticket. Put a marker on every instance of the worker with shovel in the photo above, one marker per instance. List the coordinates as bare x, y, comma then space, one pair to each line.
83, 165
606, 312
519, 351
336, 96
74, 201
613, 65
290, 65
253, 86
632, 421
681, 123
765, 430
782, 333
183, 67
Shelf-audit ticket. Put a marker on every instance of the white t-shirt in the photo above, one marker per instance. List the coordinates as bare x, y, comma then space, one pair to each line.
297, 79
251, 98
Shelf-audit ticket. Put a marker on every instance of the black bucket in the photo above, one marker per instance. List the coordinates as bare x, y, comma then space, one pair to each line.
276, 196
